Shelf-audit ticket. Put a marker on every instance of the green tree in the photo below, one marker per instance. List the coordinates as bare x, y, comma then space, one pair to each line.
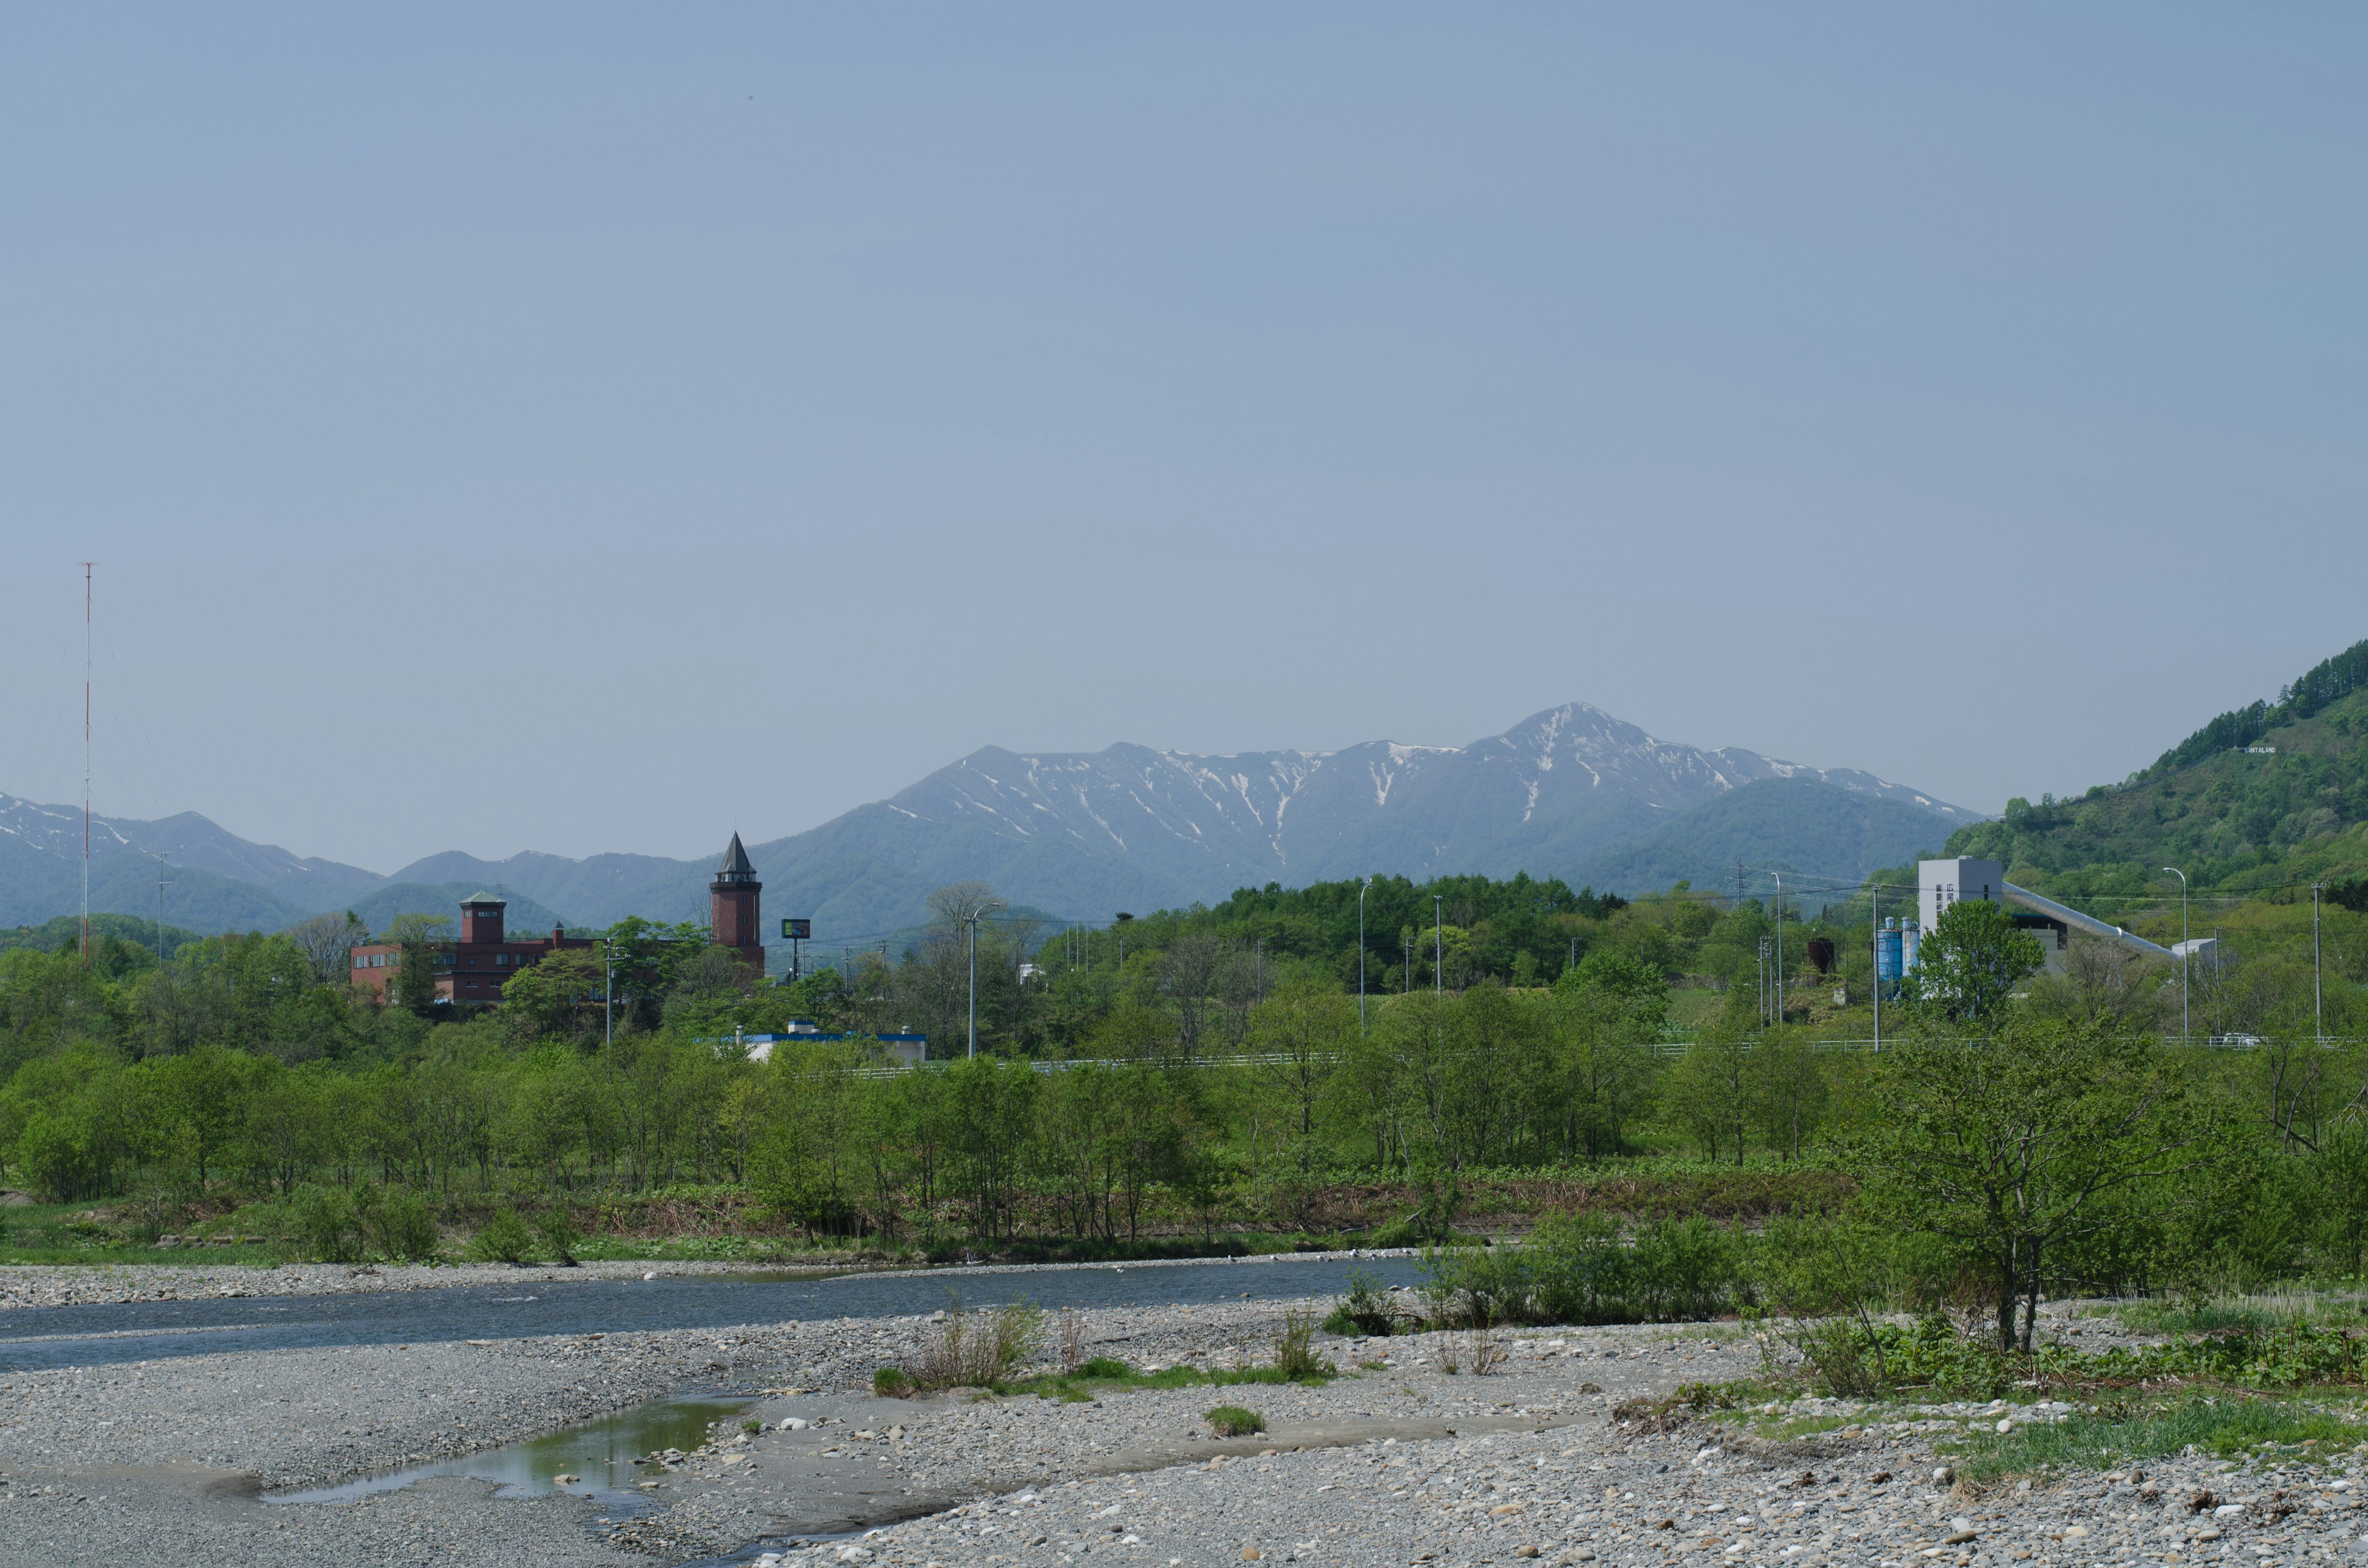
1972, 960
1788, 1088
1710, 1090
424, 940
2028, 1144
559, 999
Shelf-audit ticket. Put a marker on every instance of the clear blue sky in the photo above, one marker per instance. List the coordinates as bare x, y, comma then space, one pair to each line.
600, 428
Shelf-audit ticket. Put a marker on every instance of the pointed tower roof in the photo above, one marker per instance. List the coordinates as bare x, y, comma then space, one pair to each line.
736, 867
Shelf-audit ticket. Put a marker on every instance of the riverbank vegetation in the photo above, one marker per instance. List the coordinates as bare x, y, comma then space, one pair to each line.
1629, 1079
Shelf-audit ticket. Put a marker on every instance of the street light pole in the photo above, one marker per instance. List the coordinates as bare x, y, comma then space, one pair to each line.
2318, 999
1438, 934
2185, 958
1779, 947
1361, 954
609, 989
973, 986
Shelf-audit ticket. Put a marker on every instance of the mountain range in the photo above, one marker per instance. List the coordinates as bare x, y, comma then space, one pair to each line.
1571, 792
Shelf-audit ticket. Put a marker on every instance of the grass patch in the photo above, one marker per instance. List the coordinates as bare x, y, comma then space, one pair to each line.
1232, 1421
1107, 1374
1783, 1428
2258, 1314
2118, 1434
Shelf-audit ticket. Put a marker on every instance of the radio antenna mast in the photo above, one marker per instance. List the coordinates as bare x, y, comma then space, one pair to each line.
86, 762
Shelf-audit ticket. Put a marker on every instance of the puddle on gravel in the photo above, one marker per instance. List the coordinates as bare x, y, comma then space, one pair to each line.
600, 1455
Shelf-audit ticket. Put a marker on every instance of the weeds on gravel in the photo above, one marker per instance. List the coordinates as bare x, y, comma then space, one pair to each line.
1232, 1421
1692, 1399
1105, 1374
1294, 1350
2120, 1432
977, 1350
1367, 1309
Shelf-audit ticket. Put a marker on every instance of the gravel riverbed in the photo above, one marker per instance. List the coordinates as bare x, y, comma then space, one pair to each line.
23, 1284
174, 1462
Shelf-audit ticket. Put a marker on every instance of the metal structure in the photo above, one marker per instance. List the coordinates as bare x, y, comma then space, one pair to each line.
2039, 904
1361, 954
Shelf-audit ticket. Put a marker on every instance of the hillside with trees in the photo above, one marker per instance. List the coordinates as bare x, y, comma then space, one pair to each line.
2267, 798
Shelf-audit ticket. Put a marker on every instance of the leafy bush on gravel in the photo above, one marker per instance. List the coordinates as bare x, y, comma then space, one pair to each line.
1852, 1356
1584, 1268
556, 1228
1366, 1309
321, 1223
1232, 1421
503, 1238
892, 1383
398, 1222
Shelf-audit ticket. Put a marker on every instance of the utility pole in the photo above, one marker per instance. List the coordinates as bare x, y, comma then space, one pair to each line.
161, 885
1874, 919
86, 762
2317, 998
608, 990
1258, 973
1779, 947
973, 986
1439, 933
1361, 954
2185, 958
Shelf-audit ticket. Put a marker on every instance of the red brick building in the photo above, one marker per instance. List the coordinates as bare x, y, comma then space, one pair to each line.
473, 969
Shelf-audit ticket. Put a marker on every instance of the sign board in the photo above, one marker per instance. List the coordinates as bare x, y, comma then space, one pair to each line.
798, 930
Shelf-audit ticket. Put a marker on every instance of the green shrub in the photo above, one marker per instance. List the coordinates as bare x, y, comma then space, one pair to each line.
1232, 1421
1294, 1350
892, 1383
1104, 1367
321, 1223
1583, 1269
504, 1238
555, 1227
1366, 1309
978, 1351
398, 1222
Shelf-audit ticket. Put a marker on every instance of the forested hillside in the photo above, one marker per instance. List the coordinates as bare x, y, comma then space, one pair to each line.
2273, 796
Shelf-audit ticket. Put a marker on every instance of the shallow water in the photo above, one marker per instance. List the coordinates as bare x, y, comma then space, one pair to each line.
34, 1337
599, 1455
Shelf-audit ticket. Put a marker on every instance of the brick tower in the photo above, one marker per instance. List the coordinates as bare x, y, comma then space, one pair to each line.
733, 906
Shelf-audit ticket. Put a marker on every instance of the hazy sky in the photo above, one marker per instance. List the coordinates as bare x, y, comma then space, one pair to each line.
583, 427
